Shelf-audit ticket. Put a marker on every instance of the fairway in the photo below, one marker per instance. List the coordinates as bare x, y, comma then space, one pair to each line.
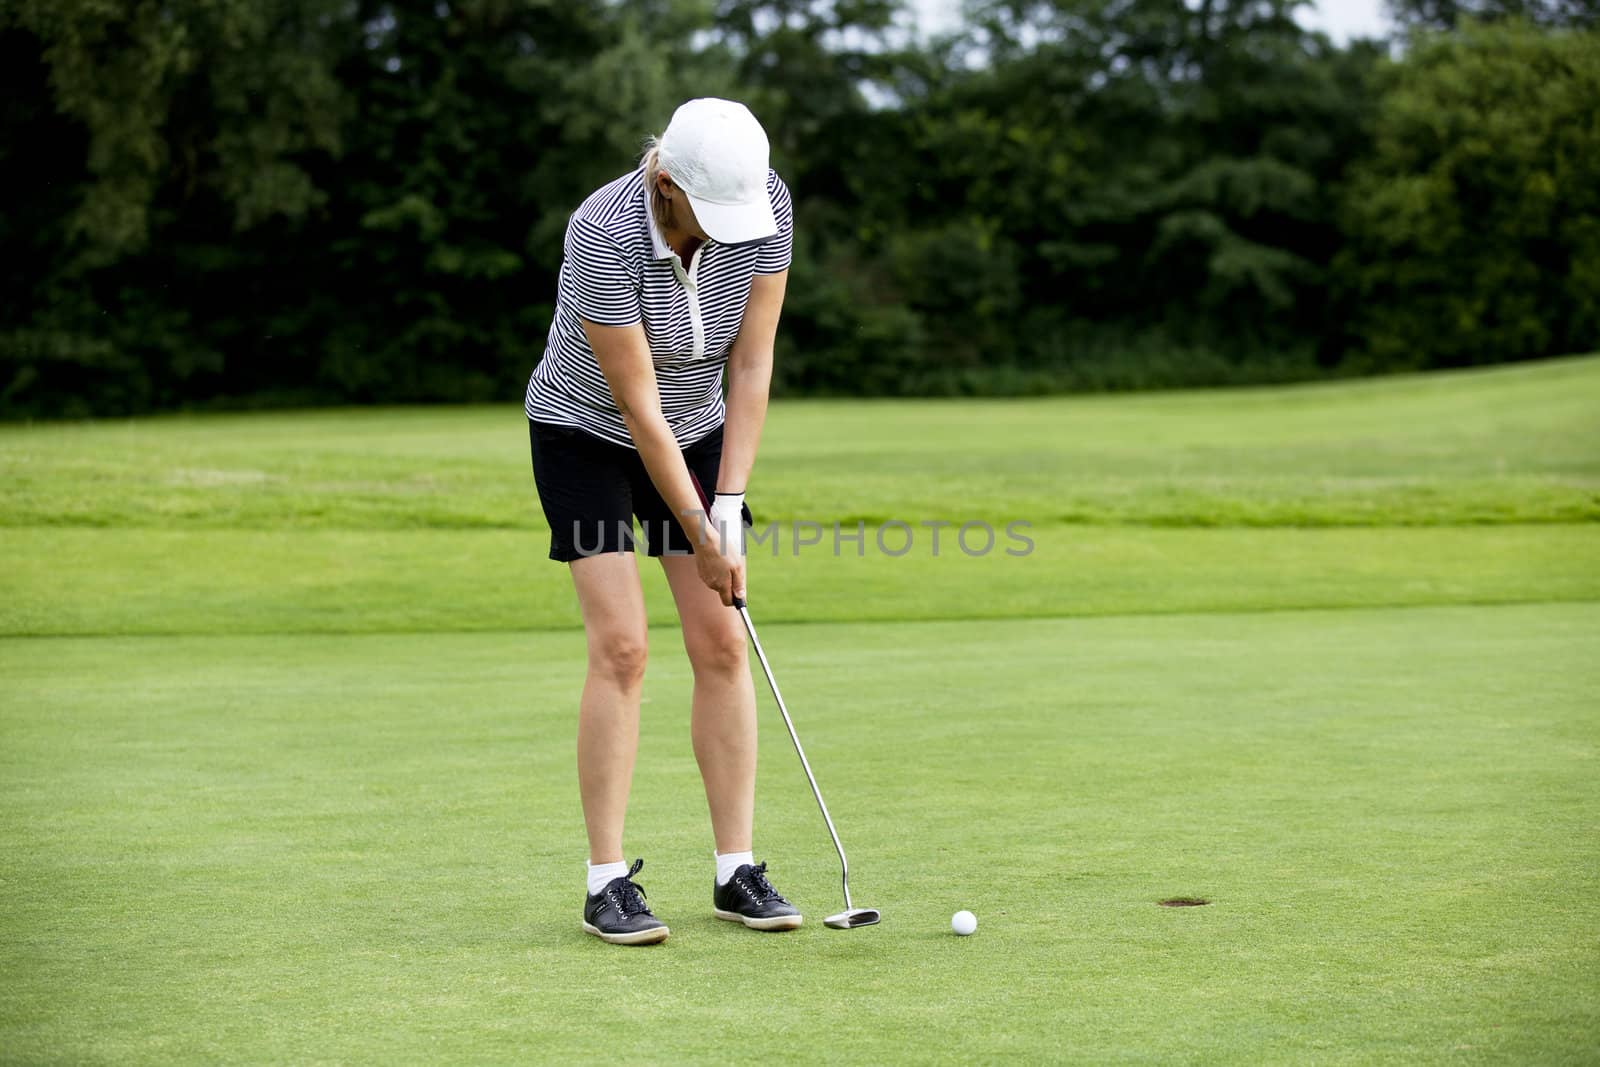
286, 740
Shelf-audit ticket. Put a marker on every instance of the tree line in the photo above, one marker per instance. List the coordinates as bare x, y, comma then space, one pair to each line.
271, 202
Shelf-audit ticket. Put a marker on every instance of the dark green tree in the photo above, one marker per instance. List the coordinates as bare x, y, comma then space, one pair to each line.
1474, 229
142, 124
1155, 176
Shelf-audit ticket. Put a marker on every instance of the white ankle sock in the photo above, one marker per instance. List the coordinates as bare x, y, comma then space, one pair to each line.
728, 862
601, 873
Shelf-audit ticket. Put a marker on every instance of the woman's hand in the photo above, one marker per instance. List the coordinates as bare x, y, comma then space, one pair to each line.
720, 563
727, 515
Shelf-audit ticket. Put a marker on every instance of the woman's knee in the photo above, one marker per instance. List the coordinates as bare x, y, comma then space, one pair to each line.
619, 658
719, 650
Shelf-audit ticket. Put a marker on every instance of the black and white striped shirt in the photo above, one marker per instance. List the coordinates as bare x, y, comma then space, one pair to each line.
617, 271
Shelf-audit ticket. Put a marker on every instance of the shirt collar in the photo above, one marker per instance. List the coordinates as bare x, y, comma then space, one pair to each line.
659, 244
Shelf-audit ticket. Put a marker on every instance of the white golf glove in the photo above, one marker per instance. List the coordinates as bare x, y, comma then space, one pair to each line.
727, 515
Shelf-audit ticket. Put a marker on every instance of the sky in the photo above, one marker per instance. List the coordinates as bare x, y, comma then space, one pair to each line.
1339, 19
1344, 19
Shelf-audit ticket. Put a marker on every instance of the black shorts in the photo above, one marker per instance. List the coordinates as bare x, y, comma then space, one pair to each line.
591, 490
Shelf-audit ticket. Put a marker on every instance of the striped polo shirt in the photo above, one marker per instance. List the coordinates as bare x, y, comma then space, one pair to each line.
617, 271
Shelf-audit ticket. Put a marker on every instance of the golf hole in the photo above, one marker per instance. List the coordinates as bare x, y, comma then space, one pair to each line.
1184, 902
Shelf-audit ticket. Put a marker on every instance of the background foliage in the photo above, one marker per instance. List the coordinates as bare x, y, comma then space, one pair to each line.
261, 202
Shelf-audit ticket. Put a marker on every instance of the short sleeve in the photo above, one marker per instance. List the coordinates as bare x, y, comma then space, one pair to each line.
602, 286
775, 254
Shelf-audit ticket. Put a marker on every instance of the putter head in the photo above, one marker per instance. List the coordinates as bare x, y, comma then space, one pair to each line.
852, 918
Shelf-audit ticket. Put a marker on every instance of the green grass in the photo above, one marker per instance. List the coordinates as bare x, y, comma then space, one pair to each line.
287, 720
1506, 445
147, 581
367, 848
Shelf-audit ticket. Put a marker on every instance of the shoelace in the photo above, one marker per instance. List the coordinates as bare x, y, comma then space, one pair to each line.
629, 895
757, 880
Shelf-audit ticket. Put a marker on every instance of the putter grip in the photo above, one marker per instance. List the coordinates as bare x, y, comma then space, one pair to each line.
738, 602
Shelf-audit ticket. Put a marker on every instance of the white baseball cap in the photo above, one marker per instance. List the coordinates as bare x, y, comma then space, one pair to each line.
716, 152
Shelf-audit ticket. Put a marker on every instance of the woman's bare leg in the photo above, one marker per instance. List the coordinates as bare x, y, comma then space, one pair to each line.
724, 710
608, 715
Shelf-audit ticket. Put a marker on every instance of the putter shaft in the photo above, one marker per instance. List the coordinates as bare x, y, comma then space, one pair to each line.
844, 864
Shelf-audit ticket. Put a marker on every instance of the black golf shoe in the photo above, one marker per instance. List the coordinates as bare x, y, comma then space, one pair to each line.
750, 899
618, 913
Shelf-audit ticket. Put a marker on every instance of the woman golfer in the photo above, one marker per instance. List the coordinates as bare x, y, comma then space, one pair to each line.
671, 276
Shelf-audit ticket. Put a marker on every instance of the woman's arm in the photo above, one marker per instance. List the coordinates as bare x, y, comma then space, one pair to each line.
624, 357
749, 378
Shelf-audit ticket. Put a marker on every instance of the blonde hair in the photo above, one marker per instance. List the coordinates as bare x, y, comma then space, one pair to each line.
660, 206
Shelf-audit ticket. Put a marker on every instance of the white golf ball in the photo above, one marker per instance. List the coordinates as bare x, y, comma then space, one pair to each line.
963, 922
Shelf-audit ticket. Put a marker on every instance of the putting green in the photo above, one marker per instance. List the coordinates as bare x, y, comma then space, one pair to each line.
366, 848
287, 724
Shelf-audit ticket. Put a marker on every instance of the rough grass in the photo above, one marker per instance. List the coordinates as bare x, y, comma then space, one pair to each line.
309, 796
149, 581
1505, 445
1475, 487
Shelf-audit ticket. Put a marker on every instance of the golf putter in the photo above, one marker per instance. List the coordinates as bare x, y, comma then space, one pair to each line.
850, 917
